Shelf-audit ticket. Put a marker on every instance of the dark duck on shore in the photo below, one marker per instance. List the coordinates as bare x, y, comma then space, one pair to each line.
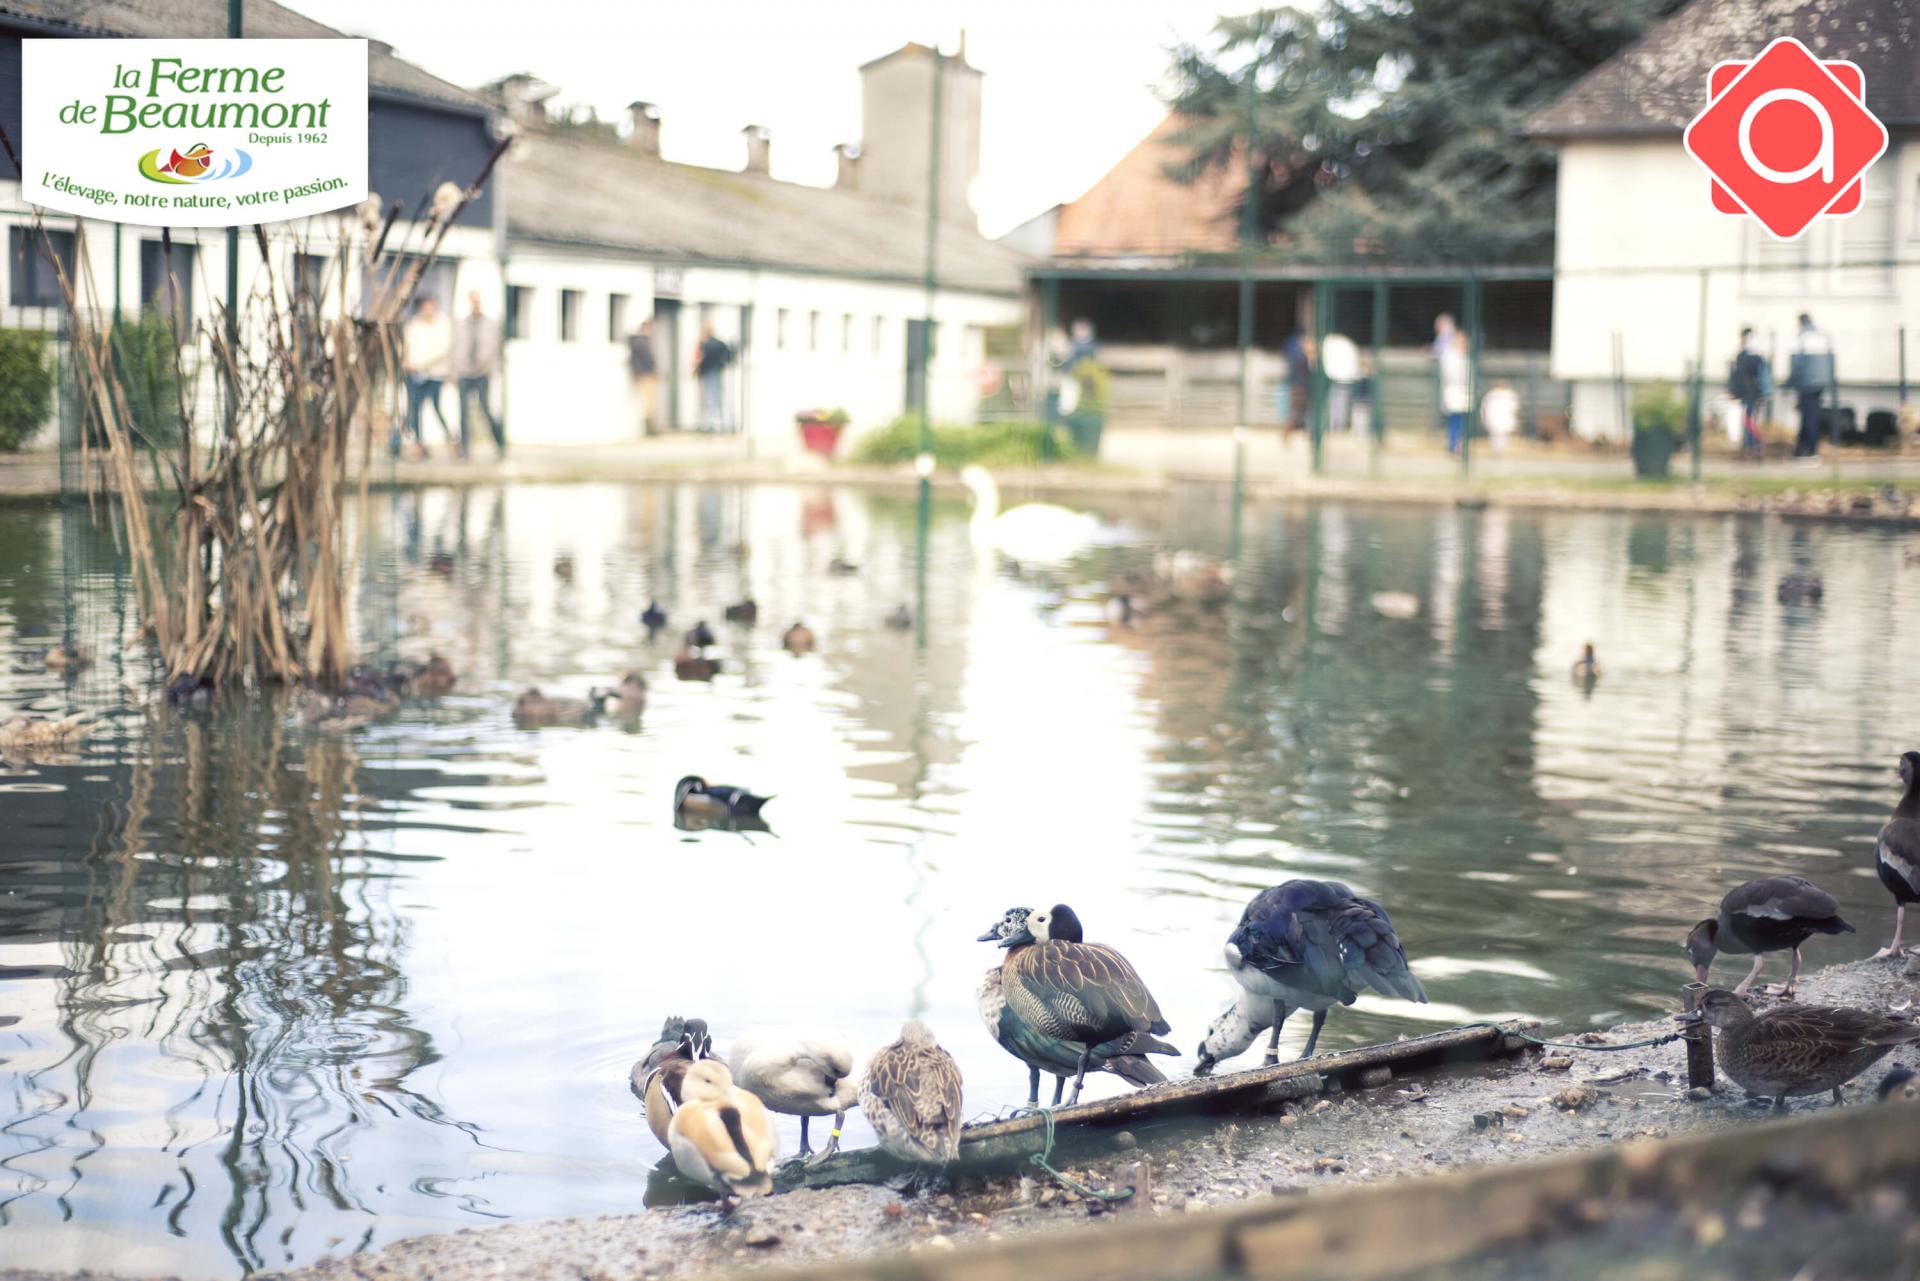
911, 1097
655, 1079
1304, 945
1773, 914
1126, 1058
1798, 1049
1897, 854
1086, 994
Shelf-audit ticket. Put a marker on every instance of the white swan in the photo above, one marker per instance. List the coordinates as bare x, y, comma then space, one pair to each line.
1032, 533
800, 1071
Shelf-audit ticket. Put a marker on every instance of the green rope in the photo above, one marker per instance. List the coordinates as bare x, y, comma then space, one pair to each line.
1040, 1159
1575, 1045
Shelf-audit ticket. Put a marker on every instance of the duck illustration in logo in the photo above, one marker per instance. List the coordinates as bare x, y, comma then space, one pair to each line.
198, 163
194, 164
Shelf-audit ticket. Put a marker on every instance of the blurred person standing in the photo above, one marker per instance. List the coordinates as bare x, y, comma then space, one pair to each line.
1750, 381
476, 358
1810, 376
710, 361
643, 366
1456, 377
427, 363
1340, 362
1296, 355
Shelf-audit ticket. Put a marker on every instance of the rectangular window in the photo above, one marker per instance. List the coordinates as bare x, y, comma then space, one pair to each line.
846, 333
166, 282
813, 331
34, 281
310, 275
519, 310
570, 315
879, 333
616, 317
780, 329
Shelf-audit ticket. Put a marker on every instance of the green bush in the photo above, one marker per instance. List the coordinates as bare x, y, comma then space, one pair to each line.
26, 385
1009, 444
146, 349
1658, 408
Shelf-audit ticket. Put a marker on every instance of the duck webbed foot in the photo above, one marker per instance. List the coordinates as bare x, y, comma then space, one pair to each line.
833, 1141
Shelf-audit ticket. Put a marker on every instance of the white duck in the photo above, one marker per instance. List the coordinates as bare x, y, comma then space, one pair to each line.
1031, 533
799, 1071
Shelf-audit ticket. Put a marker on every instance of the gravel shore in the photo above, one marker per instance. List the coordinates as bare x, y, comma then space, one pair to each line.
1538, 1104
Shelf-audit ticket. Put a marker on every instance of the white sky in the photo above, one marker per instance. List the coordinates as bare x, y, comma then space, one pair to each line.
1069, 84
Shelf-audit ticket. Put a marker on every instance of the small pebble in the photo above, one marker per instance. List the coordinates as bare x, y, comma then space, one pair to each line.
1699, 1094
1125, 1141
894, 1210
1556, 1063
762, 1238
1328, 1165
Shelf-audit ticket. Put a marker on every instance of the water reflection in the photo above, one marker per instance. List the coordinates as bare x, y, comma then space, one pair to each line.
267, 994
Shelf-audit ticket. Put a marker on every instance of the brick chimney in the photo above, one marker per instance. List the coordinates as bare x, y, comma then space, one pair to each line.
644, 131
759, 149
847, 176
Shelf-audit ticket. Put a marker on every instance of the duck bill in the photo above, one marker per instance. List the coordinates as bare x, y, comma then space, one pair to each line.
1690, 1018
1021, 939
1700, 973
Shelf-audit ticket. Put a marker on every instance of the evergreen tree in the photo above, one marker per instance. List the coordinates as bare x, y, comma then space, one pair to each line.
1390, 129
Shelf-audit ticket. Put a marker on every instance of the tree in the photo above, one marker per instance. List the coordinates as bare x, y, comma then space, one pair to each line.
1391, 130
26, 385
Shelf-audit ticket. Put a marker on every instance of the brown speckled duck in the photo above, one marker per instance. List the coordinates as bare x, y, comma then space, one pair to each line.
25, 731
910, 1095
1799, 1049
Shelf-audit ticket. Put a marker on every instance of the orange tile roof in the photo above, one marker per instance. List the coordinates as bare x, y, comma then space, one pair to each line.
1137, 209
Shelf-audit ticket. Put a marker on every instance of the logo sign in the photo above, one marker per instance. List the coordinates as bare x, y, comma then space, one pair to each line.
1787, 138
193, 133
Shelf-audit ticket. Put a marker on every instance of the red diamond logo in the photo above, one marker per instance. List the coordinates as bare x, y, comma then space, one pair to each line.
1786, 138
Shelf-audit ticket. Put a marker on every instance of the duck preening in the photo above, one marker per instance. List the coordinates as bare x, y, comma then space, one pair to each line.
721, 1135
626, 700
803, 1072
1773, 914
746, 611
1304, 945
1126, 1058
910, 1094
1798, 1049
1586, 667
694, 795
653, 618
1086, 994
1897, 854
656, 1079
797, 639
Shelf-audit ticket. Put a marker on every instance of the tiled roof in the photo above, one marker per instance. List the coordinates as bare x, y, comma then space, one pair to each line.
592, 193
207, 19
1138, 210
1660, 83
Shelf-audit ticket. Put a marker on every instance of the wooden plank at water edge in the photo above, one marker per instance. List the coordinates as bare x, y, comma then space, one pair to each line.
1012, 1139
1397, 1229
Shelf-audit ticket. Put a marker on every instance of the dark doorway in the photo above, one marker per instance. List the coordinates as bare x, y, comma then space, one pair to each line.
666, 333
919, 356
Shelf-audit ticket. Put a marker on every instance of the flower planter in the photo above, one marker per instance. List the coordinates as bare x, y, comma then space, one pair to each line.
820, 438
1652, 453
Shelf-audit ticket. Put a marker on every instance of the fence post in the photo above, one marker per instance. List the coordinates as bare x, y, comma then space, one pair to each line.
1376, 401
1903, 366
1470, 316
1317, 410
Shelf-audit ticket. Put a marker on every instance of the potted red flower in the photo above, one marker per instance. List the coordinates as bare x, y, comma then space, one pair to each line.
820, 429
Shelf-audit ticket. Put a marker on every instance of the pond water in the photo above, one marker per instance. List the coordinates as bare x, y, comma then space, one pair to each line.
268, 994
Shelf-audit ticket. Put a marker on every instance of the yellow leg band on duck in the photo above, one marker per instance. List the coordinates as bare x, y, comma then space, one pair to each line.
836, 1134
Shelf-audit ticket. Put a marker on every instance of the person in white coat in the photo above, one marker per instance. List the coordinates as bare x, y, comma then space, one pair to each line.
427, 361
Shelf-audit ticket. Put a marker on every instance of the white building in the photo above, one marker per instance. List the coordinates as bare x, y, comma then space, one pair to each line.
1640, 250
820, 291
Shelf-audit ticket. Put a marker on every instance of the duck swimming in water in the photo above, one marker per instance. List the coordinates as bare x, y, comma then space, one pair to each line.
1773, 914
1126, 1059
745, 611
900, 620
1586, 668
700, 636
535, 710
25, 731
721, 1135
803, 1072
626, 700
690, 664
1304, 945
653, 618
911, 1096
1798, 1049
1896, 856
1083, 993
797, 639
